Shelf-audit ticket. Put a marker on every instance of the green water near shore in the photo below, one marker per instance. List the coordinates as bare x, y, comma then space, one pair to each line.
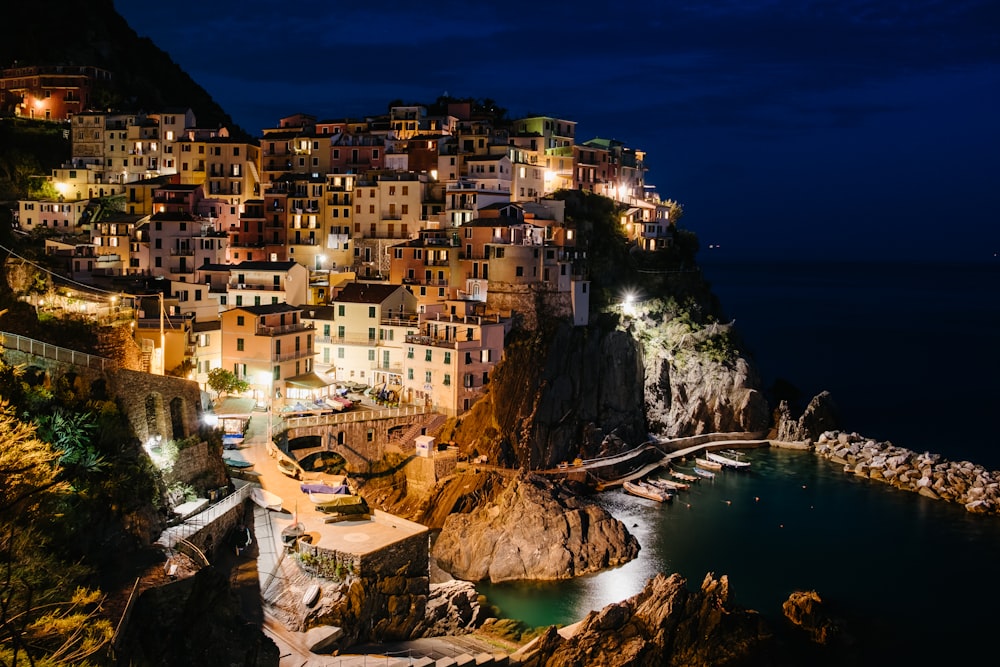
911, 574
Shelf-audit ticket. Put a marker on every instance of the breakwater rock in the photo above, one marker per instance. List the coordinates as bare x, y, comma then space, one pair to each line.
930, 475
665, 624
532, 529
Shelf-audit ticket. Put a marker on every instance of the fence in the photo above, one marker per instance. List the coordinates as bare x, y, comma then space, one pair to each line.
353, 416
37, 348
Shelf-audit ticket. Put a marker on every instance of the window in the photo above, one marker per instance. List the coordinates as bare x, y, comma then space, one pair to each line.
409, 353
340, 353
486, 356
371, 355
409, 373
371, 311
427, 377
239, 344
427, 355
277, 347
340, 311
340, 331
519, 271
447, 359
447, 379
371, 333
277, 372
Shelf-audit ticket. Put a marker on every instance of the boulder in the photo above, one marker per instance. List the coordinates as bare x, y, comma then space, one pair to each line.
532, 529
805, 610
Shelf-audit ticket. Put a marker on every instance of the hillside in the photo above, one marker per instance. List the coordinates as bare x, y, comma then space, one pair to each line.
50, 32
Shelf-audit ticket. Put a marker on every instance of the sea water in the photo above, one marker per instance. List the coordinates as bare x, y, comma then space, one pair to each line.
908, 353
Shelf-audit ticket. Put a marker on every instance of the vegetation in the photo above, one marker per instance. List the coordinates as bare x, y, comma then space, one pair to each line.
222, 381
46, 616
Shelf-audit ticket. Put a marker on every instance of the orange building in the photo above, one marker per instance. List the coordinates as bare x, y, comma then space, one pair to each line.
50, 92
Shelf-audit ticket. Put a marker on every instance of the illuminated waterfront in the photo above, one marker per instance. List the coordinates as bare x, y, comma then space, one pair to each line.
890, 560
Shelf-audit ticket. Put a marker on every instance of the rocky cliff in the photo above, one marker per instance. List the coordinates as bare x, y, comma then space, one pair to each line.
695, 378
657, 368
556, 395
531, 528
663, 625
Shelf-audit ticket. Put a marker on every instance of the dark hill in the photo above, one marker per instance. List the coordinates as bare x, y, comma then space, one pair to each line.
52, 32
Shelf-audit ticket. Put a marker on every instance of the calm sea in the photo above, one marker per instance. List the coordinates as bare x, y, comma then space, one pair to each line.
907, 351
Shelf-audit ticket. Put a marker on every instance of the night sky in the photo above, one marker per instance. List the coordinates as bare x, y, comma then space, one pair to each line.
848, 129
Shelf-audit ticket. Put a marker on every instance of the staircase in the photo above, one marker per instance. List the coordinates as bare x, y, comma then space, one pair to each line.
429, 424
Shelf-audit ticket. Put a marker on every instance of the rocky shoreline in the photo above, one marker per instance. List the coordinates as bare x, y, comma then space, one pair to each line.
929, 475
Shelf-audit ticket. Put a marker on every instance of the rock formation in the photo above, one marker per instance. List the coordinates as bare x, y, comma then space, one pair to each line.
806, 610
930, 475
820, 415
532, 529
663, 625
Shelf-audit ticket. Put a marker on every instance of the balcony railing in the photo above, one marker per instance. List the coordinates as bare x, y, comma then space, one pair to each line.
283, 329
289, 356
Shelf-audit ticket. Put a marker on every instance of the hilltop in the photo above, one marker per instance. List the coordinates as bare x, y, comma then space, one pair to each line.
48, 32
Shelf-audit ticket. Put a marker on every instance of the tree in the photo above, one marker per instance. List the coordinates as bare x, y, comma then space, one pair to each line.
45, 617
222, 381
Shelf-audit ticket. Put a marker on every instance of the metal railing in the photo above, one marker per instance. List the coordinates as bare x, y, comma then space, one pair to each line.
37, 348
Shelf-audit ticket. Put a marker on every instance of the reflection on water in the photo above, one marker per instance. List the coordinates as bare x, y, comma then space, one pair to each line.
893, 561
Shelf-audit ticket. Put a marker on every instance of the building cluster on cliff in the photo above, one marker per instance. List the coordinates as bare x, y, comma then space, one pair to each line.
393, 251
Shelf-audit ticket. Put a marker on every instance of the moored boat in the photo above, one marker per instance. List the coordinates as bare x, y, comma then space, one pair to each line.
266, 499
707, 474
646, 491
683, 476
667, 484
708, 464
727, 461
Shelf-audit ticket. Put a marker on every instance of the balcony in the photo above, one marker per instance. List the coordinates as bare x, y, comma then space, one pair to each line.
290, 356
396, 368
284, 329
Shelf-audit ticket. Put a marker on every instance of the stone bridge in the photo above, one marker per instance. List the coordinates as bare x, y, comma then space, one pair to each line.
360, 436
155, 405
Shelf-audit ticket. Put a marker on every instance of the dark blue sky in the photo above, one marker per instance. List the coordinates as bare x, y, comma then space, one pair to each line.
858, 129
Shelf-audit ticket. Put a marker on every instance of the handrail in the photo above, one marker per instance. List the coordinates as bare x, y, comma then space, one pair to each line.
49, 351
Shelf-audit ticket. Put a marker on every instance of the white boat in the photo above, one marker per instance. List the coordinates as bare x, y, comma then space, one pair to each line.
266, 499
727, 461
311, 595
707, 474
646, 491
707, 464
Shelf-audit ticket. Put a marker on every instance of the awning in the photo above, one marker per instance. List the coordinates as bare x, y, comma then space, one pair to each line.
308, 380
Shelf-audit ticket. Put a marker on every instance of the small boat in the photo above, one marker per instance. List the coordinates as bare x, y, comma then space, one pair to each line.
708, 464
266, 499
668, 485
727, 461
239, 464
333, 499
707, 474
646, 491
683, 476
311, 595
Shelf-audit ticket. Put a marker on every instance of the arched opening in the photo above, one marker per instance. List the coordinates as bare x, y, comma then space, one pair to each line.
153, 409
178, 426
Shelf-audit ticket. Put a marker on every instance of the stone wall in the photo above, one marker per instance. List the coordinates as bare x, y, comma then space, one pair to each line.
526, 301
212, 537
153, 404
199, 465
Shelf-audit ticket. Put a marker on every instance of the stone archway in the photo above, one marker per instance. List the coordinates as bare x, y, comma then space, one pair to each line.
178, 425
155, 424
